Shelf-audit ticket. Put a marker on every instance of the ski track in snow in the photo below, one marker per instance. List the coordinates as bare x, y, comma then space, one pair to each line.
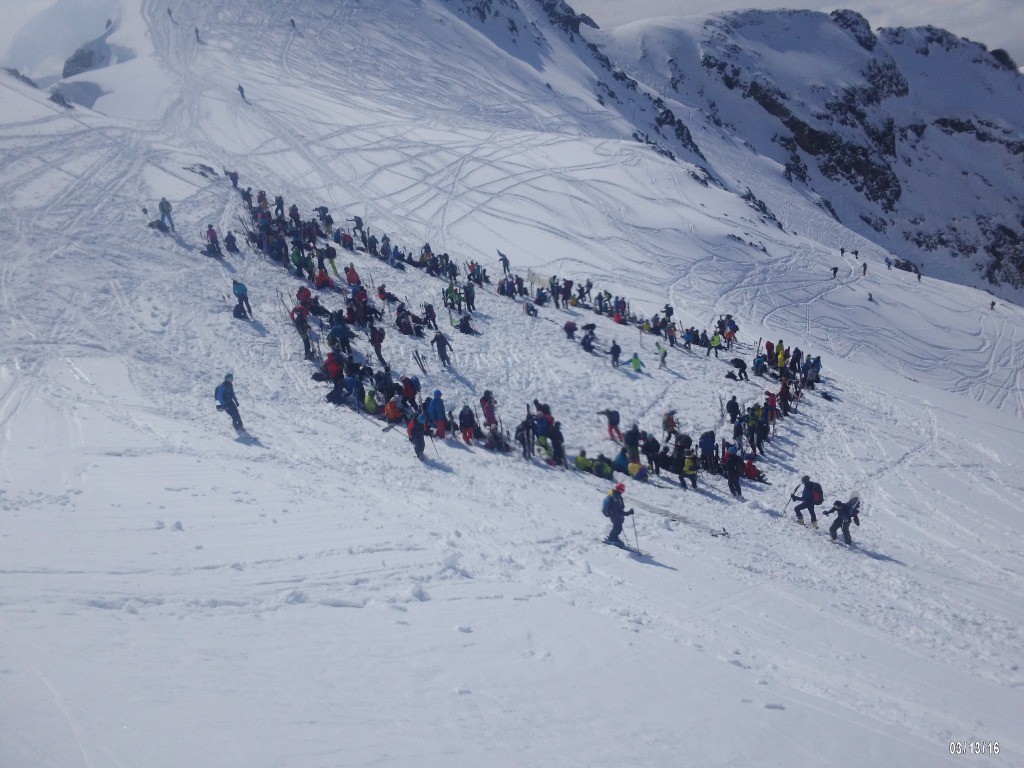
327, 558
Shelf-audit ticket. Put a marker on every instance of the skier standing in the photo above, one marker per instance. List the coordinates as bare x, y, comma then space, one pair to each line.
809, 498
615, 350
227, 402
613, 424
165, 213
211, 238
440, 341
615, 510
242, 294
416, 431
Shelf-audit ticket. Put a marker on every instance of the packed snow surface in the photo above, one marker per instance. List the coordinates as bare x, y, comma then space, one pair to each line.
175, 595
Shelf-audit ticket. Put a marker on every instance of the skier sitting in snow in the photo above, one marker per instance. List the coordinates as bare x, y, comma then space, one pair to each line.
465, 327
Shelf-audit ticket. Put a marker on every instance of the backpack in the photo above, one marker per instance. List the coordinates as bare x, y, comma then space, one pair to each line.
816, 493
606, 506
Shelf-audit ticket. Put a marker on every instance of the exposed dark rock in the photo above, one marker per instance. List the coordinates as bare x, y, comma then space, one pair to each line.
857, 26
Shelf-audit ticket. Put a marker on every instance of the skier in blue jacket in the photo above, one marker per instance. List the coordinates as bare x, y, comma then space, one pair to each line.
226, 401
437, 414
242, 294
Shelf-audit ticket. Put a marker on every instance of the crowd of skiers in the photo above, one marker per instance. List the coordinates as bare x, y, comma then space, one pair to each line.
376, 393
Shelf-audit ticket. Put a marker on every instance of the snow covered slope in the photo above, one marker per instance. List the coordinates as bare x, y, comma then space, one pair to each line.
172, 595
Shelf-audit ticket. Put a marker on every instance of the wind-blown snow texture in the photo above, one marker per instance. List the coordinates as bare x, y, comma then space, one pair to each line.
175, 596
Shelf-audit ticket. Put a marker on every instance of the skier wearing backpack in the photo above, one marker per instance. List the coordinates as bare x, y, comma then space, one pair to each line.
615, 510
227, 402
809, 498
845, 512
416, 431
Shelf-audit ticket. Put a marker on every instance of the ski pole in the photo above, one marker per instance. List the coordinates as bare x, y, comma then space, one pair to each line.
435, 447
205, 416
635, 537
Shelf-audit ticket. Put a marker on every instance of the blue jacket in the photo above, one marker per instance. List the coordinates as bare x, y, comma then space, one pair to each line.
621, 463
437, 409
240, 290
225, 394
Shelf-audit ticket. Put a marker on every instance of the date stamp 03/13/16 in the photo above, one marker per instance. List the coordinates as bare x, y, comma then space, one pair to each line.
974, 747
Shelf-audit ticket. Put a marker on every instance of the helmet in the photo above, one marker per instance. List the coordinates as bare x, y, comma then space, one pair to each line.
437, 393
805, 479
620, 488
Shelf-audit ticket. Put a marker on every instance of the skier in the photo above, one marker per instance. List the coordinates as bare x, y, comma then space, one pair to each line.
211, 239
524, 434
615, 350
300, 318
377, 334
733, 467
845, 512
440, 341
809, 498
465, 327
436, 413
227, 402
504, 263
733, 409
557, 445
613, 424
615, 510
230, 244
636, 363
242, 294
715, 344
165, 213
690, 467
662, 354
467, 423
741, 368
835, 270
864, 269
241, 91
416, 430
488, 405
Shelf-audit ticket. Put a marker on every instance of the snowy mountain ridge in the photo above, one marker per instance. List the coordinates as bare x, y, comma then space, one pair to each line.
867, 121
173, 595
